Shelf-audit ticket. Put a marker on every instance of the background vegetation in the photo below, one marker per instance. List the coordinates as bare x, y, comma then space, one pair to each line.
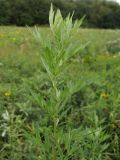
99, 13
94, 114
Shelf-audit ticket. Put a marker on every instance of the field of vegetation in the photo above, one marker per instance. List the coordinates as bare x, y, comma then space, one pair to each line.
59, 92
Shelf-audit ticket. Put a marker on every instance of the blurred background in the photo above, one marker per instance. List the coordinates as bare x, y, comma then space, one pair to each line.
99, 13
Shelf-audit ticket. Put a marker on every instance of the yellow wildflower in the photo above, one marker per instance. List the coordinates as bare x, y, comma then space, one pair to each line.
104, 95
114, 126
8, 93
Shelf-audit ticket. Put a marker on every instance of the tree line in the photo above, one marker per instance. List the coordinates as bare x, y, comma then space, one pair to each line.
99, 13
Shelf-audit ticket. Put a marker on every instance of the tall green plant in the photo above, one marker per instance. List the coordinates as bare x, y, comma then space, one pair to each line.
56, 140
55, 55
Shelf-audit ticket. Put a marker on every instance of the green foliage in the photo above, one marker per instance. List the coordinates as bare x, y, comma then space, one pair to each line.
55, 56
21, 13
113, 46
4, 12
41, 11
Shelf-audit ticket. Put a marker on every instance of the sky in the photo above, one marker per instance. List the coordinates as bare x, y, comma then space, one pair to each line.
117, 1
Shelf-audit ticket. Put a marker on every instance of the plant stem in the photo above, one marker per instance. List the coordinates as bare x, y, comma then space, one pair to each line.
55, 125
55, 140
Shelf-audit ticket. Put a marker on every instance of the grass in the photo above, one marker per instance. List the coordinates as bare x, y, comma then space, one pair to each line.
18, 40
90, 123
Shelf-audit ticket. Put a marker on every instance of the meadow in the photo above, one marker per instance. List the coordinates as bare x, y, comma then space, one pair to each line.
59, 110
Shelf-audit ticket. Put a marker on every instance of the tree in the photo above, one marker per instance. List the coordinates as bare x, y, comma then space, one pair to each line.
99, 13
4, 12
39, 10
21, 13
